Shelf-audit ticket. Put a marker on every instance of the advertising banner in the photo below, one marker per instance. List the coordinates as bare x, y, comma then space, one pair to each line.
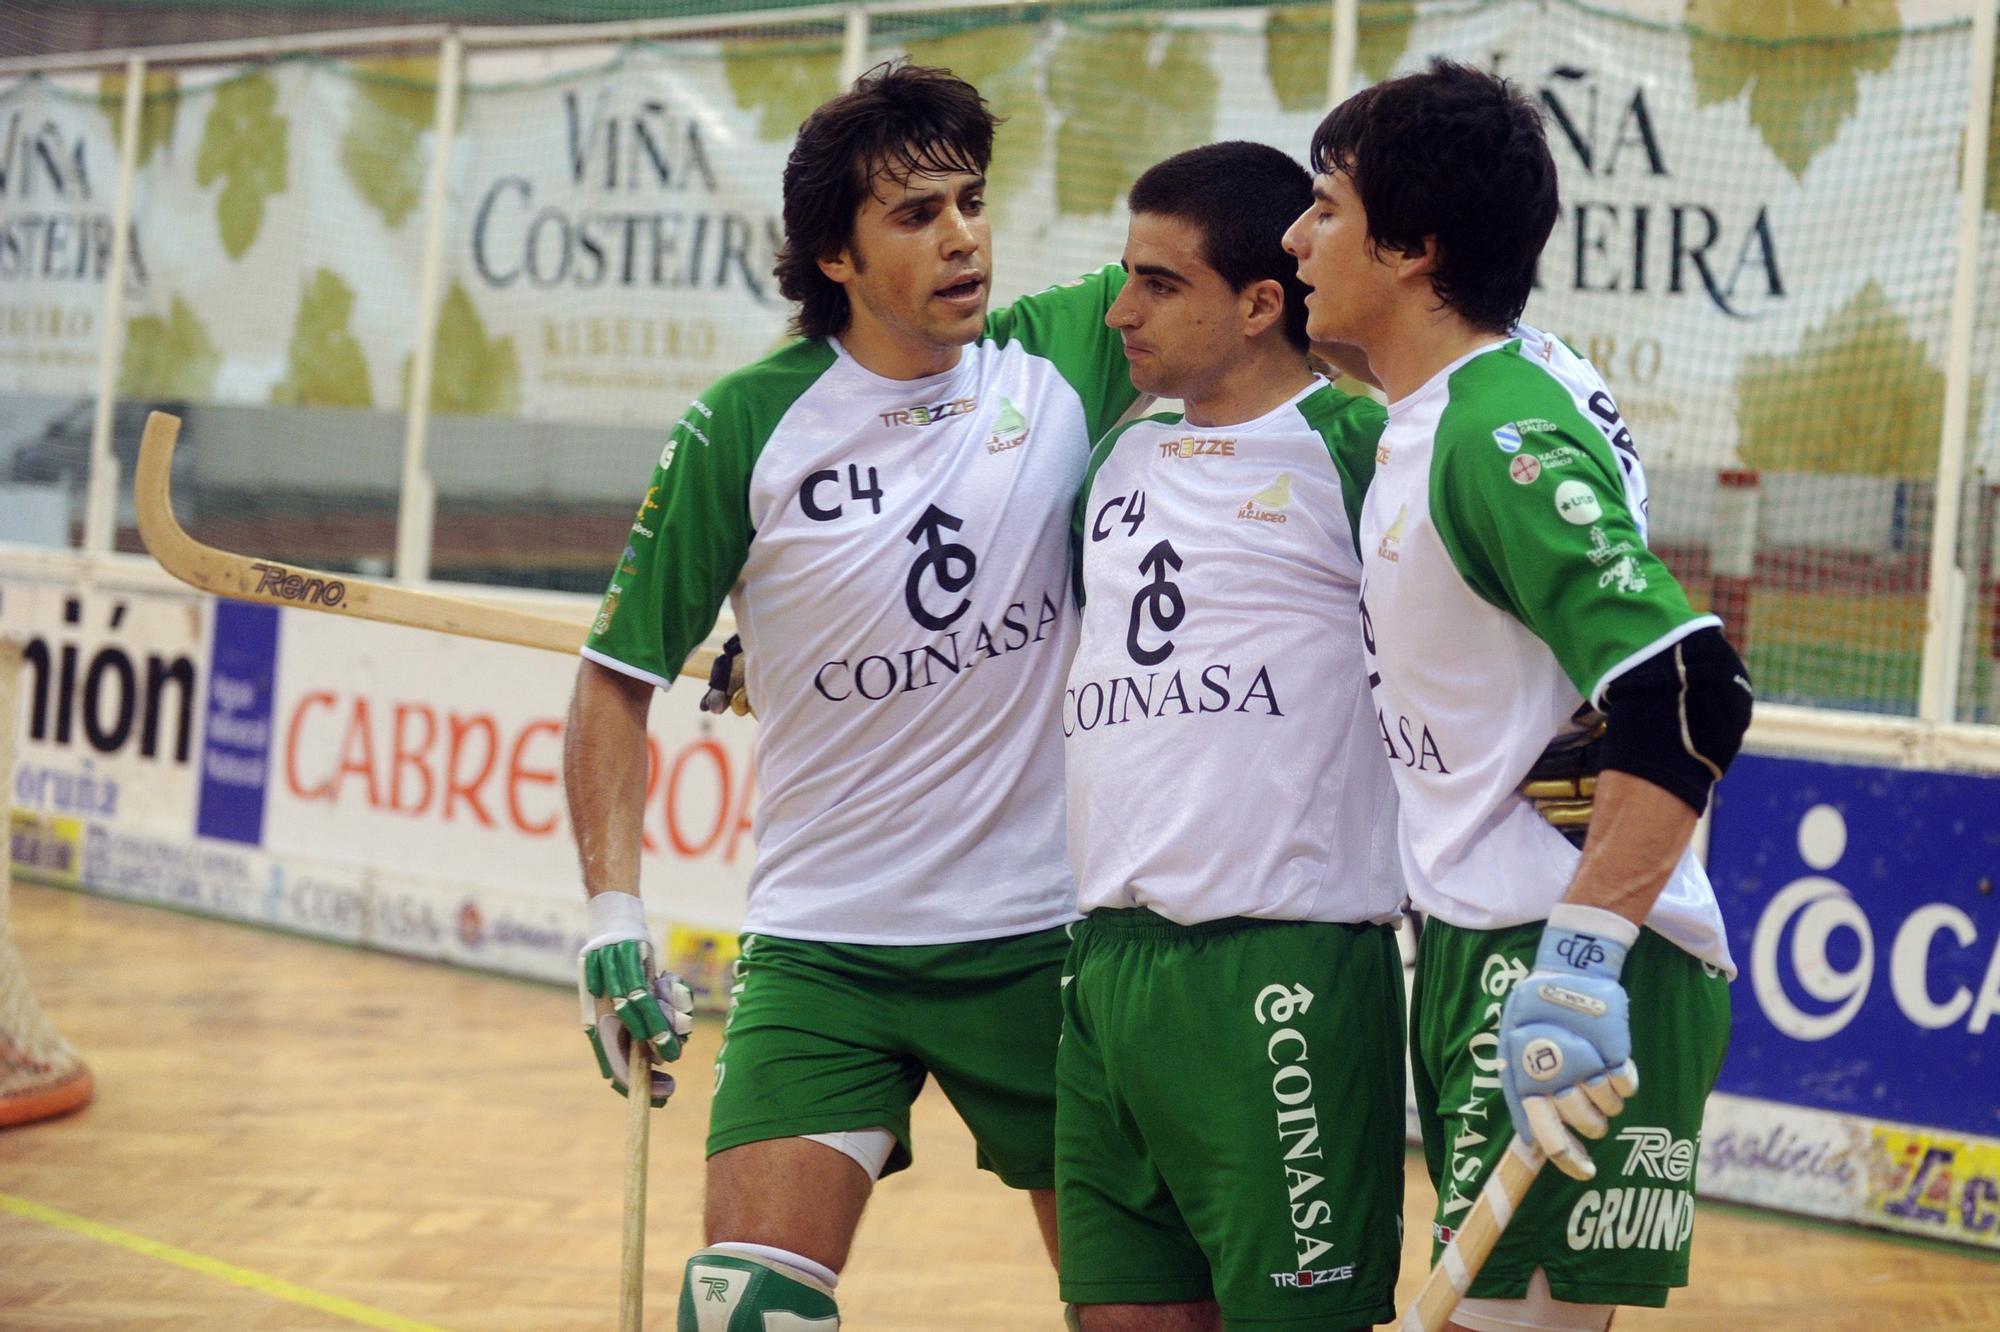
1862, 911
380, 786
613, 212
442, 757
112, 687
58, 176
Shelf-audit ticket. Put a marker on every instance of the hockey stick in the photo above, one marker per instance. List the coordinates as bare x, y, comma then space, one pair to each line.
1466, 1254
632, 1255
266, 582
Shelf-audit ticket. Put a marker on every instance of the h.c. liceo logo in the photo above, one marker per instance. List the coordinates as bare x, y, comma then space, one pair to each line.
1814, 909
1010, 429
1268, 504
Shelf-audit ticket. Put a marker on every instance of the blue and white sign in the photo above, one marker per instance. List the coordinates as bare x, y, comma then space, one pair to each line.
1862, 906
236, 743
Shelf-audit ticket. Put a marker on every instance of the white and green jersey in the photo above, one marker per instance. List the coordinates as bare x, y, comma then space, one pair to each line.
1508, 582
1218, 730
896, 553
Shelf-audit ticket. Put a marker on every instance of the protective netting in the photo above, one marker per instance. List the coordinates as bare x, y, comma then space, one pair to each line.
1979, 543
1757, 248
40, 1073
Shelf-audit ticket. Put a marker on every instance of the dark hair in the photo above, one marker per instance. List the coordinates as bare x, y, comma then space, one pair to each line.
1459, 154
1242, 196
899, 120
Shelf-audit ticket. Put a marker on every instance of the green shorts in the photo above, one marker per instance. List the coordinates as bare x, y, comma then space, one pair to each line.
1230, 1118
1623, 1237
826, 1037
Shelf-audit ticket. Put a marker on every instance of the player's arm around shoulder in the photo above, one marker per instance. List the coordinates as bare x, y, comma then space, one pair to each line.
1065, 325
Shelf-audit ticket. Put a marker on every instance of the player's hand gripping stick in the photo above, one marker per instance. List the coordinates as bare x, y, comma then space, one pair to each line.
627, 1000
1566, 1036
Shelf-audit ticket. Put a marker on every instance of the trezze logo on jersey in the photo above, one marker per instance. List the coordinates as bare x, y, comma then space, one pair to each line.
923, 416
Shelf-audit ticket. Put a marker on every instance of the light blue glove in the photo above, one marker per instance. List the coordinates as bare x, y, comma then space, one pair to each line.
1566, 1036
626, 998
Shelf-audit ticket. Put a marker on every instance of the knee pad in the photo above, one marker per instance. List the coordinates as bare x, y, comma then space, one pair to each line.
740, 1292
868, 1148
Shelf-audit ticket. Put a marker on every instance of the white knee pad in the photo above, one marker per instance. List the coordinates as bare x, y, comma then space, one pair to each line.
867, 1148
1537, 1311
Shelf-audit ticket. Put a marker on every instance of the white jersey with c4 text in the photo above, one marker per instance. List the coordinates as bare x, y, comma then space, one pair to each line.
1222, 756
896, 552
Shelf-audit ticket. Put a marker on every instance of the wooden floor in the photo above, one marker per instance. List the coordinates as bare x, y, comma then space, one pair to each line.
305, 1125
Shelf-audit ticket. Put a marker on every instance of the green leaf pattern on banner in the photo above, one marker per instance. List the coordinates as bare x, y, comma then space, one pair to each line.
243, 146
781, 83
325, 366
395, 102
472, 373
1993, 147
1801, 92
172, 357
1298, 50
159, 105
1128, 96
1000, 62
1860, 396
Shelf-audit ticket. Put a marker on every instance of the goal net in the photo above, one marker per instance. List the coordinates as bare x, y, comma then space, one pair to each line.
40, 1073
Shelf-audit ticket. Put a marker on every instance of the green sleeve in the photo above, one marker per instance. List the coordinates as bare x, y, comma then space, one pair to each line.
1080, 511
691, 533
1544, 532
1352, 428
1065, 325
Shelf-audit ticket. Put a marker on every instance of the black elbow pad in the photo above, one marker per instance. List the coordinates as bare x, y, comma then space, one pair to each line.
1677, 718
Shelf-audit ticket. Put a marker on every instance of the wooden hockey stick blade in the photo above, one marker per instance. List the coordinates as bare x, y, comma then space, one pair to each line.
632, 1254
1461, 1260
266, 582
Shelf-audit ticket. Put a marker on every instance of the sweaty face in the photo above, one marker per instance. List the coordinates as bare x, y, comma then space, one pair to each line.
1181, 324
1350, 281
917, 272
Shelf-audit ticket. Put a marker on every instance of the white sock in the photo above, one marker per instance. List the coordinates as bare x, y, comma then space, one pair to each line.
826, 1276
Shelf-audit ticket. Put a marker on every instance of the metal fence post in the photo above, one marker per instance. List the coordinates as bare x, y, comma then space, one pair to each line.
416, 502
853, 46
1340, 68
100, 505
1944, 604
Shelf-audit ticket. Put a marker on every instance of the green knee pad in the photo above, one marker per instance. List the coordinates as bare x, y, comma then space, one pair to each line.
734, 1292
